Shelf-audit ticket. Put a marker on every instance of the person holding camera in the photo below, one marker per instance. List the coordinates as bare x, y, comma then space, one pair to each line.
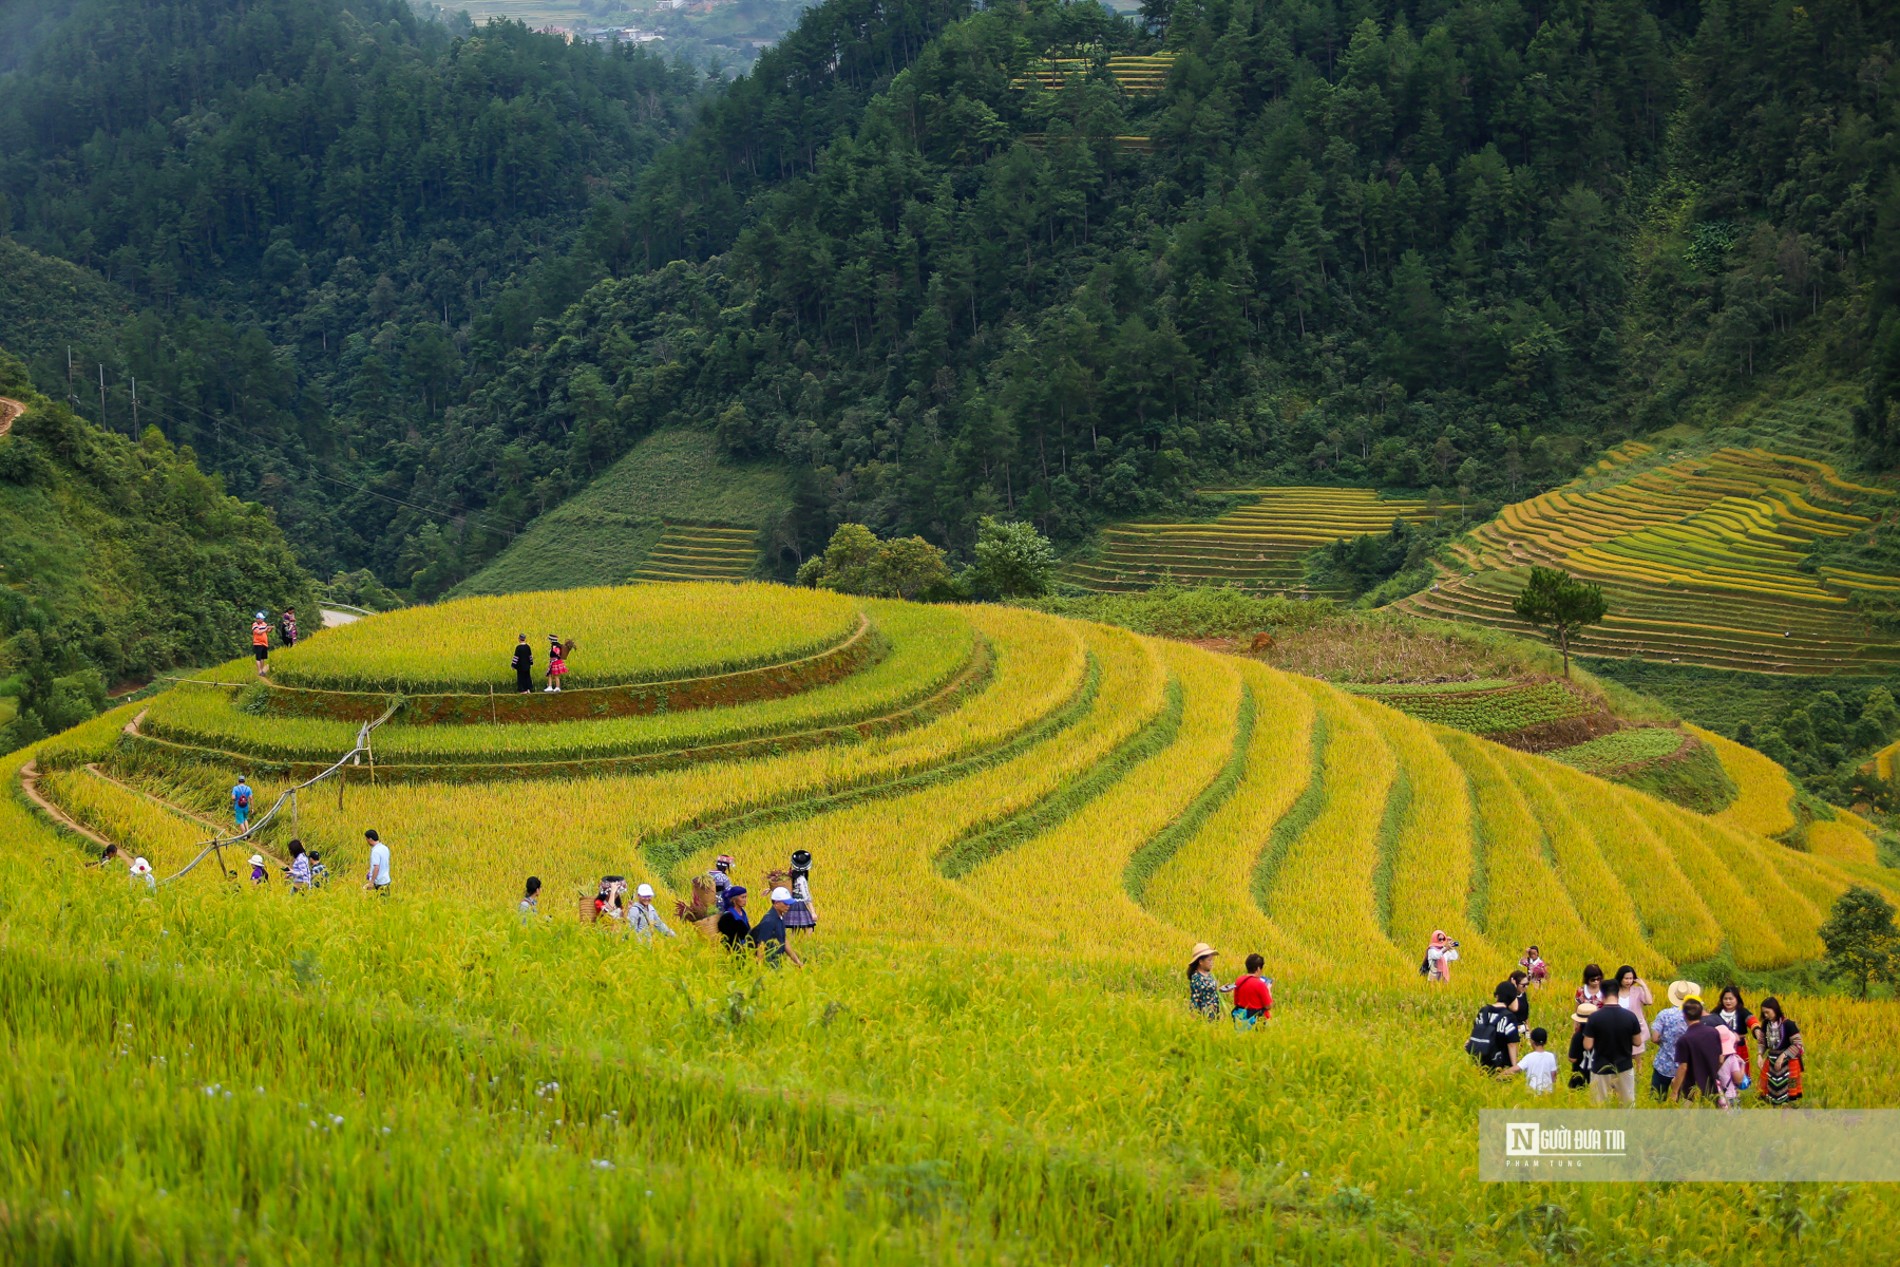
1439, 956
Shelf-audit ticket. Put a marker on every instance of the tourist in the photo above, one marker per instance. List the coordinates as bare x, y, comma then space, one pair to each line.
530, 904
768, 935
1253, 995
1495, 1032
1538, 1066
643, 917
1633, 992
260, 874
1669, 1027
801, 916
735, 926
1610, 1036
1203, 990
142, 870
1579, 1054
1591, 991
377, 877
523, 665
610, 902
287, 627
260, 643
1697, 1055
1733, 1015
1534, 966
318, 872
241, 802
107, 856
1439, 956
557, 661
1781, 1054
1520, 981
299, 867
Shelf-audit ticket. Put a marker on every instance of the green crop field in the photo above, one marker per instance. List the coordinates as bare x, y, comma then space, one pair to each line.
673, 508
1706, 557
1259, 546
1019, 825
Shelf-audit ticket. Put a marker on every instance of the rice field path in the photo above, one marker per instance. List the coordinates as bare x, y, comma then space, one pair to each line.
9, 410
30, 786
332, 617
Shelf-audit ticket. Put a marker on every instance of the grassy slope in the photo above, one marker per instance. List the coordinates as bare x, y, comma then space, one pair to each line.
47, 303
601, 534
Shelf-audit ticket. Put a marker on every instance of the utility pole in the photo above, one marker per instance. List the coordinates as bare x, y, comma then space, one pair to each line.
102, 395
135, 406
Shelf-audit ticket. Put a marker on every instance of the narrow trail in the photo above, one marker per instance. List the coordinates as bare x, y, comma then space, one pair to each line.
30, 785
9, 410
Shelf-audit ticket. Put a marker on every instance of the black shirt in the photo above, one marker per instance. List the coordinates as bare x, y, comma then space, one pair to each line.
524, 656
769, 933
735, 930
1614, 1030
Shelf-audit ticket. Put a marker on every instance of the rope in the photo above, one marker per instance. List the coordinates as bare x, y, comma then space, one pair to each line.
288, 795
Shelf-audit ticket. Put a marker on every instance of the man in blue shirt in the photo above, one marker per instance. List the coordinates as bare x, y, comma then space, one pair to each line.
241, 802
769, 933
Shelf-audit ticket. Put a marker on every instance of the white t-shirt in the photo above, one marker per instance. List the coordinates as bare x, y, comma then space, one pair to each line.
379, 864
1540, 1070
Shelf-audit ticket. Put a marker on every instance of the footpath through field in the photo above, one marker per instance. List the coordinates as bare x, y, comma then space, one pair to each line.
9, 410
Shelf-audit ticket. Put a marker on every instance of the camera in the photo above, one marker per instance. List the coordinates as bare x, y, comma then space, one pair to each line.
1455, 943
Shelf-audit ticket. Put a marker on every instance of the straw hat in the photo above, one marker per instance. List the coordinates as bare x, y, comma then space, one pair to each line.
1584, 1012
1201, 951
1680, 991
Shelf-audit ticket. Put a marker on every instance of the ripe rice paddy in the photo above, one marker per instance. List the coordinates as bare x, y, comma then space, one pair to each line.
988, 1059
1259, 546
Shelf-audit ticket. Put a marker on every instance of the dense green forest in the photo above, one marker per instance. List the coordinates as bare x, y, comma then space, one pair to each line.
413, 287
120, 560
332, 214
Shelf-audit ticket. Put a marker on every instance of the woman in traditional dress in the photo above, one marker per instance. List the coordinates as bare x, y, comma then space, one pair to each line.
1780, 1041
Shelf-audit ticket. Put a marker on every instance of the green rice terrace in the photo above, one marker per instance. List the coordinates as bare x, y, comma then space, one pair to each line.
1134, 74
1738, 557
701, 552
1258, 546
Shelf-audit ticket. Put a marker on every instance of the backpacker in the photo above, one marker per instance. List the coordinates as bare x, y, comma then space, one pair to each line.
244, 800
1491, 1032
1425, 966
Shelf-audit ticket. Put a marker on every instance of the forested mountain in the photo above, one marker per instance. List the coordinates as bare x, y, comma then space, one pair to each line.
331, 211
1450, 244
120, 559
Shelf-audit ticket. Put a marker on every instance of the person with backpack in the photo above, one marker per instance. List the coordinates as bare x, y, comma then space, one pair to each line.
287, 627
1439, 956
260, 643
241, 802
1495, 1032
523, 665
558, 652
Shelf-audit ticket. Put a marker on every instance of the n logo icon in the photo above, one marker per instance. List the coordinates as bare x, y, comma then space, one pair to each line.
1520, 1139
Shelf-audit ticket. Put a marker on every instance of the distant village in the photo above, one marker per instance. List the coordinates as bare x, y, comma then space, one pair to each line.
588, 33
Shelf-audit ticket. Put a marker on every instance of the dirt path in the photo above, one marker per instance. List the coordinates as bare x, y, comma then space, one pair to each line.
9, 410
332, 617
30, 784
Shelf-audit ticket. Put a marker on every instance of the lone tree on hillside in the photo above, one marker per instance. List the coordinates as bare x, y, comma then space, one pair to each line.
1563, 605
1013, 560
1860, 939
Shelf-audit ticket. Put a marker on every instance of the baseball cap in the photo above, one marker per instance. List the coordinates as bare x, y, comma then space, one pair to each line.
645, 890
781, 894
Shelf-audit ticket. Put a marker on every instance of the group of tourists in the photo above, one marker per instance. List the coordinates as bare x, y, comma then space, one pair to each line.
306, 869
261, 632
1697, 1050
1253, 993
523, 663
719, 908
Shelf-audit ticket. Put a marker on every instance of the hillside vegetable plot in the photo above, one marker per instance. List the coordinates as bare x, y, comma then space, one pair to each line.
701, 552
1258, 546
1704, 558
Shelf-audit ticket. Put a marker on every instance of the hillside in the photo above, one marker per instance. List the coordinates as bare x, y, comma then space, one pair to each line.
47, 305
672, 509
1103, 799
121, 559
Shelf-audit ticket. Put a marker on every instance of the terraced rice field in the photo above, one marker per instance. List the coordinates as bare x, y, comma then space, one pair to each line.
1703, 558
1258, 546
701, 552
1019, 826
1134, 74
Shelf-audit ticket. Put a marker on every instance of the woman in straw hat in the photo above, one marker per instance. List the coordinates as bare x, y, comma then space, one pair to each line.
1579, 1058
1203, 990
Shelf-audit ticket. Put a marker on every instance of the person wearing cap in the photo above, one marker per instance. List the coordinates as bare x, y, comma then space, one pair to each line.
735, 926
1495, 1032
378, 875
142, 870
643, 917
802, 915
530, 904
768, 935
1667, 1028
299, 867
1579, 1056
523, 665
241, 795
1203, 990
260, 874
260, 643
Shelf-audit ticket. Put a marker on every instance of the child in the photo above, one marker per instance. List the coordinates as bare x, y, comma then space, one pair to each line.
557, 660
318, 872
259, 874
1534, 966
1253, 995
800, 914
1729, 1076
1538, 1066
